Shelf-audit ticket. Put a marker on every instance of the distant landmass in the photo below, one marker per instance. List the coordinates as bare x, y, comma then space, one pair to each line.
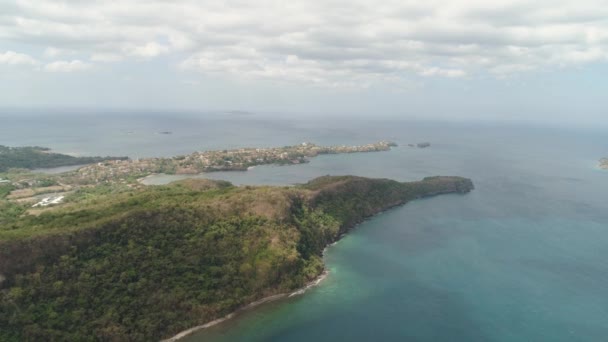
124, 170
35, 157
146, 263
93, 254
420, 145
220, 160
604, 163
21, 189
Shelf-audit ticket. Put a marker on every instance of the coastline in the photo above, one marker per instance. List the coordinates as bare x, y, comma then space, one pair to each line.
141, 180
349, 192
249, 306
241, 159
302, 290
298, 292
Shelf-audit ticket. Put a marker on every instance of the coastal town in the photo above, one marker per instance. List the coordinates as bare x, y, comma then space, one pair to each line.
209, 161
28, 187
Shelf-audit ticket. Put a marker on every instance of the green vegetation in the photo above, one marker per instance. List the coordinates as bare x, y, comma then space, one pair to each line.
121, 170
127, 171
34, 157
115, 264
5, 189
9, 211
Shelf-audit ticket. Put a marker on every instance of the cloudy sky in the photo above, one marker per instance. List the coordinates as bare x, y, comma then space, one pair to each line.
541, 59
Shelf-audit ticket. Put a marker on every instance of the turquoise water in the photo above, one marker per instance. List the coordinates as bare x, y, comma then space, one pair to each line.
521, 258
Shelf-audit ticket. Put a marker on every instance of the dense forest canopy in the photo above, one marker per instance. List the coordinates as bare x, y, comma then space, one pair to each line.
142, 265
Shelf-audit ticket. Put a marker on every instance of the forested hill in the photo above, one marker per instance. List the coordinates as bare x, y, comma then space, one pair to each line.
34, 157
145, 264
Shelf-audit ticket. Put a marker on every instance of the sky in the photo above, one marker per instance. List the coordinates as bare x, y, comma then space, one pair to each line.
536, 60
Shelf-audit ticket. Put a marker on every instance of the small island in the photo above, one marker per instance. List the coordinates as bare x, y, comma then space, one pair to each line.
604, 163
420, 145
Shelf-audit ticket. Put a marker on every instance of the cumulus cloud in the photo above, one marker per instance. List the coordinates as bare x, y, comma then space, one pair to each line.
331, 42
51, 52
67, 66
106, 57
151, 49
15, 58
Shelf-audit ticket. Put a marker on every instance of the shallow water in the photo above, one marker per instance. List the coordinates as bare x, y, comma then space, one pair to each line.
521, 258
59, 169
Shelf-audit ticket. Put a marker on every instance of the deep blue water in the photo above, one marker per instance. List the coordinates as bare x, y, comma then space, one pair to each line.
521, 258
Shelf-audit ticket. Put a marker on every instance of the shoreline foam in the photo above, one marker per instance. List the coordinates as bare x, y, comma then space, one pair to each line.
249, 306
264, 300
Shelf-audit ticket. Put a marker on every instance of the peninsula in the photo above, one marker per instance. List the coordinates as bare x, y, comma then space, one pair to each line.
35, 157
147, 263
209, 161
23, 190
24, 185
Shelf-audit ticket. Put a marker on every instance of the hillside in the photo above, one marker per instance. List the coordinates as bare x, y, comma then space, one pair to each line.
144, 264
34, 157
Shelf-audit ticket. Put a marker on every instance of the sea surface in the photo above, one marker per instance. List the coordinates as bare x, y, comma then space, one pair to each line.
521, 258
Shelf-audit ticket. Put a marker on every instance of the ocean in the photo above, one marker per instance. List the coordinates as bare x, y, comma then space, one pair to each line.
521, 258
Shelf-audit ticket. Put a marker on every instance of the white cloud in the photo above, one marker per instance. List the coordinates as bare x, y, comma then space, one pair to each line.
52, 52
106, 57
67, 66
434, 71
331, 42
16, 59
150, 49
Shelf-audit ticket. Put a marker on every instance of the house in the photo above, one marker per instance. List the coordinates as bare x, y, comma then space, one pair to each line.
48, 201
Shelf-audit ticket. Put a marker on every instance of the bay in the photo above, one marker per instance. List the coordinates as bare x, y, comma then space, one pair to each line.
521, 258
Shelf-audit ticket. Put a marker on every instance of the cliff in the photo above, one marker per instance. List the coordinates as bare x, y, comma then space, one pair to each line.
145, 264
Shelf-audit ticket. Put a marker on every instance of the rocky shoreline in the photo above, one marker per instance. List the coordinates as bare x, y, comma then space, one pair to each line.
258, 302
249, 306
